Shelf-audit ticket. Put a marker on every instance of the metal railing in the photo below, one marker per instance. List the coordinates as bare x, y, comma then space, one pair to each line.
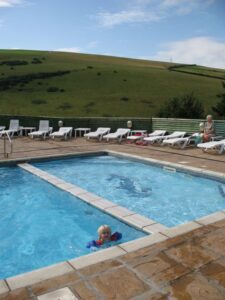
6, 138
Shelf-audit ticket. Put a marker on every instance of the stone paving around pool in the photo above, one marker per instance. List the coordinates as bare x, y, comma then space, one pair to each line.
185, 264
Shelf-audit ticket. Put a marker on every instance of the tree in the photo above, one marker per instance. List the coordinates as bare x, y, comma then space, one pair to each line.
219, 109
187, 106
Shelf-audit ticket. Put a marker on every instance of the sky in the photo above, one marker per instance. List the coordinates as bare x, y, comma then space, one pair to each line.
183, 31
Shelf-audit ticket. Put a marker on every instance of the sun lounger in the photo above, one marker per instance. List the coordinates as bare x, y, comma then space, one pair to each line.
13, 128
43, 130
98, 134
218, 146
181, 143
64, 133
118, 135
141, 136
2, 128
161, 138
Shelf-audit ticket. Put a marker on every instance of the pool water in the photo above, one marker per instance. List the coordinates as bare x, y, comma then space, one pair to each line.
41, 225
170, 198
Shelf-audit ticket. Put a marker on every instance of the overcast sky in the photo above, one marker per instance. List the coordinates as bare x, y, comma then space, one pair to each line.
184, 31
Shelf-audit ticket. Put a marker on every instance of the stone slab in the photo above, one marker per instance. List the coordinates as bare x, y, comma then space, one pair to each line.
138, 220
3, 287
143, 242
60, 294
181, 229
93, 258
38, 275
218, 216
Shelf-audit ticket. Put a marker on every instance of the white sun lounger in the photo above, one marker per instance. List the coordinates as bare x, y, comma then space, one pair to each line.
141, 136
181, 143
2, 128
43, 130
118, 134
218, 146
98, 134
161, 138
13, 128
64, 133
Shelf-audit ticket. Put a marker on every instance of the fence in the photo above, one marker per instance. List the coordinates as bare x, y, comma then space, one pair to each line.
149, 124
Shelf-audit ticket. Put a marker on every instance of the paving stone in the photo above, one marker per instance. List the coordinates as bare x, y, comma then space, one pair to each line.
214, 241
60, 294
19, 294
215, 271
83, 291
195, 287
151, 265
100, 267
191, 255
219, 224
119, 284
3, 287
198, 232
53, 283
166, 276
151, 250
151, 296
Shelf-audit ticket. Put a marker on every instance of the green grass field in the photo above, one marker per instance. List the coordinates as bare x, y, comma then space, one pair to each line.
96, 85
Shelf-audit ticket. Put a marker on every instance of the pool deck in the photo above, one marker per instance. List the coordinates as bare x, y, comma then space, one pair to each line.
189, 264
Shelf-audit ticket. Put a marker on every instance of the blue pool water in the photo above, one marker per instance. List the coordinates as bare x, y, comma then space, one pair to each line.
169, 198
41, 225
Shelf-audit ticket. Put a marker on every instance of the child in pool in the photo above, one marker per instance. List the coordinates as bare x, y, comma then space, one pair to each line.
104, 236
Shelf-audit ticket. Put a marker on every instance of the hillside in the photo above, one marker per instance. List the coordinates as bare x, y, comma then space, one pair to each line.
69, 84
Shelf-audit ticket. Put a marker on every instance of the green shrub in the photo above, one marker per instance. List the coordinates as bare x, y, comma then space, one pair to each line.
65, 106
39, 101
124, 99
219, 108
52, 89
187, 106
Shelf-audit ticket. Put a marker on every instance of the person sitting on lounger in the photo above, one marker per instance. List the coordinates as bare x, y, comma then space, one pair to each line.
209, 129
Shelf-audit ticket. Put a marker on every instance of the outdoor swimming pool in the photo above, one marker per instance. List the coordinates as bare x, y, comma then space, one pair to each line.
41, 225
170, 198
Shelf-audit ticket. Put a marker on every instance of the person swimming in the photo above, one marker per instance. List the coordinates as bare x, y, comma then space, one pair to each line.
104, 236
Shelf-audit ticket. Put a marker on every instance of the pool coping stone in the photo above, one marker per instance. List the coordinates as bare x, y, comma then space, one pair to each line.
38, 275
3, 287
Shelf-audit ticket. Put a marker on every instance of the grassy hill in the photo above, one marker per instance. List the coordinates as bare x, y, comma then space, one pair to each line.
68, 84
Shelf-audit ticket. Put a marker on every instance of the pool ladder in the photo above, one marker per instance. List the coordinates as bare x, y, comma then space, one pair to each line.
6, 138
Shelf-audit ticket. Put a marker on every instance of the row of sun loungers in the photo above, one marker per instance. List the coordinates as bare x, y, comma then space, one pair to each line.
176, 139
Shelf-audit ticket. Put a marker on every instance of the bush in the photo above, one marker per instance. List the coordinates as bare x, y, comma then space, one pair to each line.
90, 67
124, 99
39, 101
52, 89
36, 61
65, 106
99, 73
219, 109
14, 62
187, 106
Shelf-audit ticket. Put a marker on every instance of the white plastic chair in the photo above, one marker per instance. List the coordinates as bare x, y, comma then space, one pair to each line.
64, 133
43, 130
118, 134
13, 128
218, 146
181, 142
161, 138
98, 134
